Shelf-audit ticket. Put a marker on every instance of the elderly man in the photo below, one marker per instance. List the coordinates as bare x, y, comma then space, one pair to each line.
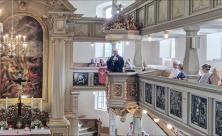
115, 63
174, 71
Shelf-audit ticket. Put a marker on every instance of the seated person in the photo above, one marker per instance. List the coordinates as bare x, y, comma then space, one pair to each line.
214, 78
205, 76
220, 84
101, 63
92, 63
181, 74
115, 63
128, 65
174, 71
143, 133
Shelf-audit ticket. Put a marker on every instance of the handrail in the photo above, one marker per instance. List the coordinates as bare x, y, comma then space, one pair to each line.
182, 83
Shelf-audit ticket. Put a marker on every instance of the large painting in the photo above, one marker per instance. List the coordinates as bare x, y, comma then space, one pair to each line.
148, 93
218, 118
199, 111
29, 66
160, 97
80, 79
176, 103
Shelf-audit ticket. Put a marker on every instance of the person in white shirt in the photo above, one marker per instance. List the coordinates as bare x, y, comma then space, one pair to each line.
174, 71
143, 133
131, 130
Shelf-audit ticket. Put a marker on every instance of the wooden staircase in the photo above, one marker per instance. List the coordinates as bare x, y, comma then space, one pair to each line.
88, 127
92, 127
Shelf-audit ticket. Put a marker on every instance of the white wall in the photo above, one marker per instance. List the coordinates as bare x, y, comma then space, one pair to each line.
150, 127
86, 107
83, 52
150, 52
91, 8
88, 8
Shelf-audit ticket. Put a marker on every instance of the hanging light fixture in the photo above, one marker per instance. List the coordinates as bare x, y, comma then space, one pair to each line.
166, 34
149, 38
12, 44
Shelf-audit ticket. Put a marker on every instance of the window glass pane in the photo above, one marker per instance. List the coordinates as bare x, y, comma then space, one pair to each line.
165, 49
108, 49
119, 47
100, 101
173, 48
109, 12
99, 50
214, 46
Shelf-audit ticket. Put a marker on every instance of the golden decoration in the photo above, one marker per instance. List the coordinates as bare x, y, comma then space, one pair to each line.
117, 90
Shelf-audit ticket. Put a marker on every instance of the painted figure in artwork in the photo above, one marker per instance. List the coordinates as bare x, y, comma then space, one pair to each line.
29, 65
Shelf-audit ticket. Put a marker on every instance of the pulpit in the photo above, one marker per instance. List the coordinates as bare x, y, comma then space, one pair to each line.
122, 92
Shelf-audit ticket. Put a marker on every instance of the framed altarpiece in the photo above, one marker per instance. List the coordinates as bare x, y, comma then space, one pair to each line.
33, 65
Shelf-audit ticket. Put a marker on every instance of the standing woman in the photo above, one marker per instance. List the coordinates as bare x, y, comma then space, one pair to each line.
131, 129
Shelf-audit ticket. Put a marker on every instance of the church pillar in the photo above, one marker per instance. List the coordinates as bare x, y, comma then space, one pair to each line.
112, 123
138, 54
137, 123
191, 61
74, 120
71, 100
58, 123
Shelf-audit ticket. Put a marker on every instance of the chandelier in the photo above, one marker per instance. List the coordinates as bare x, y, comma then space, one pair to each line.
12, 44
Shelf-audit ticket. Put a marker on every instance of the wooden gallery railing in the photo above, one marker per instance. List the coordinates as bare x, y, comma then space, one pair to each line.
194, 108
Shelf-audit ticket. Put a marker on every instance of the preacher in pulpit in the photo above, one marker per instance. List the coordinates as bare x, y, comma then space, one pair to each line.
115, 63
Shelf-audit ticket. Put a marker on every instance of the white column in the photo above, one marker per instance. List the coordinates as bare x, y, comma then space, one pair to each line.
76, 113
58, 123
138, 62
74, 121
71, 99
112, 123
58, 85
191, 61
137, 123
68, 75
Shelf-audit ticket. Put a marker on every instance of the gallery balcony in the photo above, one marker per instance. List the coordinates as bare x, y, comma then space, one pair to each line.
190, 107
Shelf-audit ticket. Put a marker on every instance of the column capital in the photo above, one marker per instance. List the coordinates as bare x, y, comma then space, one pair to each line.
191, 30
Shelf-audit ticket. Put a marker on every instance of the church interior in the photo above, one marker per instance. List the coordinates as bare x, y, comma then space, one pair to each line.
111, 67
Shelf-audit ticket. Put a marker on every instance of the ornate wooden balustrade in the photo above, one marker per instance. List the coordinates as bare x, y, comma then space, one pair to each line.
122, 93
190, 107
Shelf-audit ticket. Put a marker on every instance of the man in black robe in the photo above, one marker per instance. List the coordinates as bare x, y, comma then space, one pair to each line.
115, 63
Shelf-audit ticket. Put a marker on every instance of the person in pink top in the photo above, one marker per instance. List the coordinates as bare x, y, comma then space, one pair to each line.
220, 83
